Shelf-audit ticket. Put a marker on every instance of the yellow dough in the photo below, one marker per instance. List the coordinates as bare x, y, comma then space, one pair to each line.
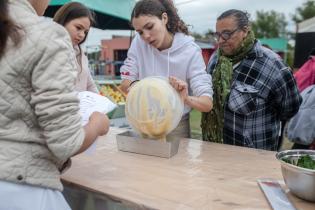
153, 107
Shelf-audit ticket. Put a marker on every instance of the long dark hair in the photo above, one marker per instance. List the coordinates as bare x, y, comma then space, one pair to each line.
157, 8
8, 29
71, 11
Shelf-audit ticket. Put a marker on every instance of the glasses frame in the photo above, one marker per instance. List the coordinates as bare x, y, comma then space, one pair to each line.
227, 34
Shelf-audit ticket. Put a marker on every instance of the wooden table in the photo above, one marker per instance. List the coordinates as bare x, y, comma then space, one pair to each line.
201, 176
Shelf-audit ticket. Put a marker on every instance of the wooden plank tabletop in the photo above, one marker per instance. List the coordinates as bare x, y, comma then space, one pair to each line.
201, 176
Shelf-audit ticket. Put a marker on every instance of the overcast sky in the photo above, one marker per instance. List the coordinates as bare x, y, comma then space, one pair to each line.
202, 14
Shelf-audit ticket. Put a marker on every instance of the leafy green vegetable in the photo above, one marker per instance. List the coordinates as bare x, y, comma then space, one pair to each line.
287, 160
304, 161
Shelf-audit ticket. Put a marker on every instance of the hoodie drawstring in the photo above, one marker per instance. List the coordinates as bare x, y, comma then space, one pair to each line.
168, 63
153, 61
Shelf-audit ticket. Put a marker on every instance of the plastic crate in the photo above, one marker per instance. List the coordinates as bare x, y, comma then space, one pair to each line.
119, 112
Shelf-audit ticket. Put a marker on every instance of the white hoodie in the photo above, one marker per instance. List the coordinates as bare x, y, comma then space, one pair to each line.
182, 60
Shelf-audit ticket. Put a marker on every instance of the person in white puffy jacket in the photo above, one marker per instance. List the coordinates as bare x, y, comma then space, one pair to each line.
162, 47
40, 126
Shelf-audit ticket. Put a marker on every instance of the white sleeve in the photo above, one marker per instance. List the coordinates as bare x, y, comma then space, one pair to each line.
53, 98
200, 82
130, 69
90, 86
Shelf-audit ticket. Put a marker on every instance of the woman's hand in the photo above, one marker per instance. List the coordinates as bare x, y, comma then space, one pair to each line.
98, 125
180, 86
126, 85
201, 103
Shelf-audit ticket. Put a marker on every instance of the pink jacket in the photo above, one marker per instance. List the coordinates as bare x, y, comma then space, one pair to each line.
305, 76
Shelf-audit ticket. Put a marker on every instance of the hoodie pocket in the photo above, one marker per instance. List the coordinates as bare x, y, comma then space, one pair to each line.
243, 99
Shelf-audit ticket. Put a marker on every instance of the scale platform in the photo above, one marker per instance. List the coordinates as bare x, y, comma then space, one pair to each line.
130, 141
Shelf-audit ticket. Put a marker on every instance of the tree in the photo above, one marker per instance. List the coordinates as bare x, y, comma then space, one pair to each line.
269, 24
306, 11
207, 36
197, 35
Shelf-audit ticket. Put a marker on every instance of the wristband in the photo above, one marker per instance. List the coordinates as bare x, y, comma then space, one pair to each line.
131, 83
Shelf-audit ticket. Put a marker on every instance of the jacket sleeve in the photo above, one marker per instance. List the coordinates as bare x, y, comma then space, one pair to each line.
90, 82
91, 85
287, 96
130, 69
301, 127
200, 82
53, 98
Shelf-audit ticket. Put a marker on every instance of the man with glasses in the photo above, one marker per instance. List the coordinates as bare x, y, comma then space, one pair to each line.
253, 89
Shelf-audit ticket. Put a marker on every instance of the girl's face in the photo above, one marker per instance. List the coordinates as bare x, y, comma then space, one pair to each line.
152, 29
78, 29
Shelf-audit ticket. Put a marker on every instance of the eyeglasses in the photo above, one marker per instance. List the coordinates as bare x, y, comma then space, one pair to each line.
225, 35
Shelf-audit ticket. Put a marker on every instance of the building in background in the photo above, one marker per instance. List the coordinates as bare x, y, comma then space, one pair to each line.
113, 53
207, 48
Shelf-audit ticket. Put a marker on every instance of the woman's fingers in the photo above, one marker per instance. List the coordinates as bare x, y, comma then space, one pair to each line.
177, 83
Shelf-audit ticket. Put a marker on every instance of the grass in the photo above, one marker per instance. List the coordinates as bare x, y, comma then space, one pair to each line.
195, 128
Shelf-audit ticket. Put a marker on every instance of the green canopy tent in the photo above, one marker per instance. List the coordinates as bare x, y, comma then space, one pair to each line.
276, 44
279, 45
110, 14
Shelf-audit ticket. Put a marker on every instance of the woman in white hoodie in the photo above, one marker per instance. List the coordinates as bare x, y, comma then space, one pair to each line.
162, 47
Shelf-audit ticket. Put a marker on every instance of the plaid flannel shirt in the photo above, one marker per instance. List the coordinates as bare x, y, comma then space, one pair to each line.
263, 93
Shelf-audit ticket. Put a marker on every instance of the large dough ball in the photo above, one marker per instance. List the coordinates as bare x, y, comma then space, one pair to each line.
153, 107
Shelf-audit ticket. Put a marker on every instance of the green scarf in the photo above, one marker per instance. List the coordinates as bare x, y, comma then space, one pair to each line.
212, 122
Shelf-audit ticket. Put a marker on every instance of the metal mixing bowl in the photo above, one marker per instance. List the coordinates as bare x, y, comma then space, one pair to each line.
300, 181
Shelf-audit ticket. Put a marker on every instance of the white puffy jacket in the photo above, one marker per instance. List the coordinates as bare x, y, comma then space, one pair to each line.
40, 127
